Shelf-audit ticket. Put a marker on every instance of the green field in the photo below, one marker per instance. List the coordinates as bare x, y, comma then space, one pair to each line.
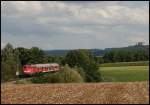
125, 73
118, 64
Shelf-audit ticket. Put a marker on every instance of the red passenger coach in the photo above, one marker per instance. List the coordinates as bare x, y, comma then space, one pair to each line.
37, 68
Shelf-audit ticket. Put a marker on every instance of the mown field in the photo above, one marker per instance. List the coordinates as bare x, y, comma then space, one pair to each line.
76, 93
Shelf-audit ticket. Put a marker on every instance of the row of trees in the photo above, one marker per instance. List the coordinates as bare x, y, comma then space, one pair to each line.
36, 55
14, 59
125, 56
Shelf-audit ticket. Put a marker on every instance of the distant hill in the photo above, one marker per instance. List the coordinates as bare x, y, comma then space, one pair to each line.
99, 52
57, 52
131, 48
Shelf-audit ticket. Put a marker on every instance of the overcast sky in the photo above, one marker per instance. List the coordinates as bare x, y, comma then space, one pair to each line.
73, 25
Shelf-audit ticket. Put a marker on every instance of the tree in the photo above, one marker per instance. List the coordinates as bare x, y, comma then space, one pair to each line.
99, 60
126, 55
24, 55
108, 56
36, 55
84, 59
8, 63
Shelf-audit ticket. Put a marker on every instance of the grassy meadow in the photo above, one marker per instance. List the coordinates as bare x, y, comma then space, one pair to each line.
125, 72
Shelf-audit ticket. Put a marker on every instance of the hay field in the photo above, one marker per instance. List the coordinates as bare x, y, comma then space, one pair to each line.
76, 93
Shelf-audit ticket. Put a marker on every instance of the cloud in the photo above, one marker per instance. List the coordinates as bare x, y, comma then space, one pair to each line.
74, 24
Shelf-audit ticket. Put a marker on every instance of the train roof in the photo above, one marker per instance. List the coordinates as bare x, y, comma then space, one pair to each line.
44, 65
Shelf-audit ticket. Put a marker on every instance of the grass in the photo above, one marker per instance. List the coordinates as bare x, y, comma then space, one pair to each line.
23, 81
125, 74
118, 64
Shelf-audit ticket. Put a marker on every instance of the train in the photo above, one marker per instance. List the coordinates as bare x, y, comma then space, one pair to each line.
40, 68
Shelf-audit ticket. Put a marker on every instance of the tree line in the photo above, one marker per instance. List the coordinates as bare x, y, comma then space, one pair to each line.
13, 59
125, 56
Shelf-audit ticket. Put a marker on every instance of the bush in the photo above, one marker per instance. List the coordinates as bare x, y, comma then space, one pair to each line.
66, 75
81, 72
39, 80
70, 75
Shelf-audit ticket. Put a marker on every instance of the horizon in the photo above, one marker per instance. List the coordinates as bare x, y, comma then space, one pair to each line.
78, 48
58, 25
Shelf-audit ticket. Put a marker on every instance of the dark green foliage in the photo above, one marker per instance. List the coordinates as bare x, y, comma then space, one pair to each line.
121, 54
24, 55
84, 59
56, 59
66, 75
125, 56
39, 80
31, 56
36, 56
99, 60
9, 63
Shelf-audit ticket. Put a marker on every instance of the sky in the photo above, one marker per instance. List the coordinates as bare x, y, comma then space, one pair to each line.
53, 25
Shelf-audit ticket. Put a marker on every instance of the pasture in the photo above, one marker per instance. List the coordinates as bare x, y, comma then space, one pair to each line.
125, 73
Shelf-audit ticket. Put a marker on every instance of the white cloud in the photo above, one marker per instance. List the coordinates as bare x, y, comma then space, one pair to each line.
137, 39
100, 21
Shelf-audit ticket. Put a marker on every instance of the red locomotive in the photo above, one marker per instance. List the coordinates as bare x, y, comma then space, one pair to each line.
37, 68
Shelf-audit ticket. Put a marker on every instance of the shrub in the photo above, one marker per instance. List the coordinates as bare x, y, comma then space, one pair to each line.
70, 75
39, 80
81, 72
66, 75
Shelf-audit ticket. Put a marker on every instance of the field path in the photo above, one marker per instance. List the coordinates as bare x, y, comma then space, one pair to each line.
76, 93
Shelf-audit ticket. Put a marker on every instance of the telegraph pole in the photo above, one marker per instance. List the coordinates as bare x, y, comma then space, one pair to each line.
17, 61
